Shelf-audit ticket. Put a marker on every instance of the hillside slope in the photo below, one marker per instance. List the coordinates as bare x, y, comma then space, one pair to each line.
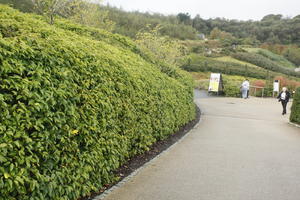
75, 104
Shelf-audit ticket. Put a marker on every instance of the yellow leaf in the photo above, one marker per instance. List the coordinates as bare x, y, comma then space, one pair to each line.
75, 132
6, 175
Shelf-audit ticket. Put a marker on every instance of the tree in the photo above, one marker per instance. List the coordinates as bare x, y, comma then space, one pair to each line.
272, 17
215, 34
200, 25
52, 8
160, 47
92, 14
184, 18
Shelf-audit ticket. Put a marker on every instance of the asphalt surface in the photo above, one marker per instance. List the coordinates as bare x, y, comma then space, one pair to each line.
241, 150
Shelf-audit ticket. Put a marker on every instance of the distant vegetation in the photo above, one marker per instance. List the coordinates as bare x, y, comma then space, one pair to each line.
276, 58
274, 29
264, 62
197, 63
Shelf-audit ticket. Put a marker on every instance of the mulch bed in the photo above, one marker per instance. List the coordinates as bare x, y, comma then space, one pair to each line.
139, 160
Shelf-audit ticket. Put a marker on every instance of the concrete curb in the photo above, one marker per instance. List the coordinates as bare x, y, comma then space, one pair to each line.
293, 124
136, 172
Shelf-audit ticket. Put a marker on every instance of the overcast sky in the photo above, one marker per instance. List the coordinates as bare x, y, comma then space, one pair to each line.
230, 9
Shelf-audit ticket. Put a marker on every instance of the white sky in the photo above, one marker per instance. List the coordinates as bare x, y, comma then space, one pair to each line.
230, 9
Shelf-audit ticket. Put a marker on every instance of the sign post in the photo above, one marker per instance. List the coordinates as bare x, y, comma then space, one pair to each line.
215, 83
276, 87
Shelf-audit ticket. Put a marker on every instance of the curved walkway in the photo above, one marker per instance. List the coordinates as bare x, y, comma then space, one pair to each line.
241, 150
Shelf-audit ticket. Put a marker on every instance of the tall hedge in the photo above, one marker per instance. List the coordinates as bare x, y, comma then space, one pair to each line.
76, 104
295, 114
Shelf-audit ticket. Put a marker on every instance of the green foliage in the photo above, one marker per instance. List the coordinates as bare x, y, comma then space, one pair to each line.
295, 114
52, 8
195, 63
266, 63
276, 58
160, 47
85, 12
92, 14
75, 104
232, 85
23, 5
184, 18
293, 55
130, 23
271, 29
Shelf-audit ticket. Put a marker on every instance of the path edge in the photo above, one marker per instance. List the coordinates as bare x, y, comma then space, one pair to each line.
294, 124
197, 122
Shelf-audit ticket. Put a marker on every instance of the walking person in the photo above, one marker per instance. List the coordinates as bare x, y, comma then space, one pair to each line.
248, 87
284, 97
245, 88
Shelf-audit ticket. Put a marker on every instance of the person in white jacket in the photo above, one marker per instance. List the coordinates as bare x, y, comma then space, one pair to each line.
245, 89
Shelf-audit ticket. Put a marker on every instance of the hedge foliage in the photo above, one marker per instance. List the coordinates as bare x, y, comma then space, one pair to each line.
75, 104
196, 63
276, 58
295, 114
266, 63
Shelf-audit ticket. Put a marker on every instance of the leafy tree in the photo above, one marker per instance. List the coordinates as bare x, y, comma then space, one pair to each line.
184, 18
92, 14
160, 47
52, 8
200, 25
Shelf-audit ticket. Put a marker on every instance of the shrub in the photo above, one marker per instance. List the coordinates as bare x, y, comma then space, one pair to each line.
295, 114
232, 85
76, 104
231, 90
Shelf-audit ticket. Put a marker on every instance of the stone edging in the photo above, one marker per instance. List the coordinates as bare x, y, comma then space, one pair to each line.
293, 124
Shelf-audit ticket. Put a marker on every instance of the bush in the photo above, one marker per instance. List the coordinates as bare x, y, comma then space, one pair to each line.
76, 104
295, 114
232, 85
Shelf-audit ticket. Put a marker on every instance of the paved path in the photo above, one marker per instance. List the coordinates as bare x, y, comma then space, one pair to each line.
241, 150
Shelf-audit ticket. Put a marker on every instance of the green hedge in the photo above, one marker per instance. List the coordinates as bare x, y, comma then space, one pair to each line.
295, 114
75, 106
276, 58
266, 63
196, 63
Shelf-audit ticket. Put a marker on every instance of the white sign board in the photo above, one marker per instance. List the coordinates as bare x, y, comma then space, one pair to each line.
214, 82
276, 87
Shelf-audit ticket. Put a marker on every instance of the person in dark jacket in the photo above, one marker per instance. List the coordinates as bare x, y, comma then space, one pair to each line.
284, 97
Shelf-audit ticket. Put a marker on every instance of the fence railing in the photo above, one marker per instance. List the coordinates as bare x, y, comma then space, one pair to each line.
256, 88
